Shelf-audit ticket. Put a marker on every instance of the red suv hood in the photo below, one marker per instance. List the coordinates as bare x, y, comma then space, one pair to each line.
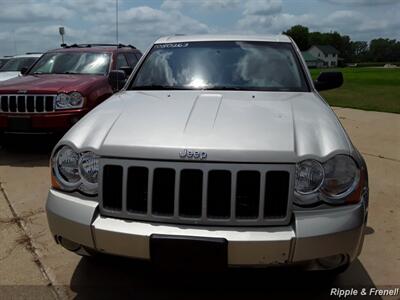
51, 83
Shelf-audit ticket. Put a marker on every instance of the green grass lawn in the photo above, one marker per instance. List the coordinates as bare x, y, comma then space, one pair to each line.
366, 88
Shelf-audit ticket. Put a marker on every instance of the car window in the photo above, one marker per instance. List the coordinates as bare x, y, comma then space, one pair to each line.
16, 64
73, 63
138, 55
222, 65
3, 61
131, 59
121, 61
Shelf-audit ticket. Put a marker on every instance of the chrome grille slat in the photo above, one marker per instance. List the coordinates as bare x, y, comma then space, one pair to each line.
124, 188
204, 197
233, 195
150, 192
176, 189
176, 216
25, 110
262, 197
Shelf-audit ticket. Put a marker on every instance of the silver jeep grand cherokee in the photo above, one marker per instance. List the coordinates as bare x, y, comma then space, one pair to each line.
217, 151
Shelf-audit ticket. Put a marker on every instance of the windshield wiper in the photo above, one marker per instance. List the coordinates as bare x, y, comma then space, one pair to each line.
157, 87
227, 88
68, 72
248, 88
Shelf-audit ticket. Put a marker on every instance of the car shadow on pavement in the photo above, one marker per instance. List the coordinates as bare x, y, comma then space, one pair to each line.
121, 278
26, 150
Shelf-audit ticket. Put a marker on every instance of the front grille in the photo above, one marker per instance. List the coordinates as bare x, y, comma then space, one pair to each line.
196, 193
27, 103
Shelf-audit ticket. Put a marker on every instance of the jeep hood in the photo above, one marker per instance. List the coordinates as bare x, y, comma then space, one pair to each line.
229, 126
50, 83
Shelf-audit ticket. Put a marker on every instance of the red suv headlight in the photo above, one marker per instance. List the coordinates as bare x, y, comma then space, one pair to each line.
69, 101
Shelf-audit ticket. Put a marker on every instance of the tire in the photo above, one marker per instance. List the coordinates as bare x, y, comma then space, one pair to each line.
2, 139
330, 275
339, 270
88, 252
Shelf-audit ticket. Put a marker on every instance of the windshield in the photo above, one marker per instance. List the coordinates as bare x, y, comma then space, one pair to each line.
72, 63
261, 66
16, 64
3, 61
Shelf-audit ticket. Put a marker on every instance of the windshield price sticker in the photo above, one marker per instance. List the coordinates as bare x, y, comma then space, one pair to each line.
171, 45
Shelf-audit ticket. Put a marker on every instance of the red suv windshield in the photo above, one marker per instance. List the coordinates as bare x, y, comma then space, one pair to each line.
73, 63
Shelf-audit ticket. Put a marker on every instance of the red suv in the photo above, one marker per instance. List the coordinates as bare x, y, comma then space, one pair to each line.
62, 86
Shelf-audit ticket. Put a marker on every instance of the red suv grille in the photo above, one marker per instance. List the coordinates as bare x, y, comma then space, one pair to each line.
27, 103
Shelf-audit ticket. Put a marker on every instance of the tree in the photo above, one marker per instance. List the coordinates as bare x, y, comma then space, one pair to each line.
384, 50
380, 50
300, 35
359, 48
346, 50
317, 38
359, 51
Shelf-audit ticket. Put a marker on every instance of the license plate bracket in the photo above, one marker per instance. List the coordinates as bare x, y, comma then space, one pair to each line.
188, 252
19, 124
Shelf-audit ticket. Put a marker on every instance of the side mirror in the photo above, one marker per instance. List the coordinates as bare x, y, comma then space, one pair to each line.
127, 70
24, 70
117, 79
328, 80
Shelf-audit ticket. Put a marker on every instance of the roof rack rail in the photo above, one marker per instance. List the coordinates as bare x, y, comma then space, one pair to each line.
96, 45
27, 53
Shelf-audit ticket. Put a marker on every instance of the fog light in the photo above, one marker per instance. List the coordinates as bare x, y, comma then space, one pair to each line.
331, 262
69, 245
74, 120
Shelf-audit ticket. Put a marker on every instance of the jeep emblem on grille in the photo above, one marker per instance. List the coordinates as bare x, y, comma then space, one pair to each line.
185, 153
22, 92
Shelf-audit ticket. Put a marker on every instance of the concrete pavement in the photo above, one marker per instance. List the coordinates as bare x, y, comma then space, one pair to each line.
30, 258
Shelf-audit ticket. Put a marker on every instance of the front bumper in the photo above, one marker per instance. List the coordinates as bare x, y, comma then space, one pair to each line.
311, 235
58, 121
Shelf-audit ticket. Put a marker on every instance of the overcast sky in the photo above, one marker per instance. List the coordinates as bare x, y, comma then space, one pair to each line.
32, 25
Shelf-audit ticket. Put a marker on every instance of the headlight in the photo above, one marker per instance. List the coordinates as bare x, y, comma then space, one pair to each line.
76, 171
89, 170
69, 101
309, 177
341, 176
65, 167
330, 182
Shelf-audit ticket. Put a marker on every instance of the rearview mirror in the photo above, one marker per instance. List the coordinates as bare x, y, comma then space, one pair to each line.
117, 79
24, 70
328, 80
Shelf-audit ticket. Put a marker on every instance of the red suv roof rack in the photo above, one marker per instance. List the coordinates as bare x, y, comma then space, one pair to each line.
96, 45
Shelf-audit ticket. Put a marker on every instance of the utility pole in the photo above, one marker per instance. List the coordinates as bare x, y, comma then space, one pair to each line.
61, 30
15, 42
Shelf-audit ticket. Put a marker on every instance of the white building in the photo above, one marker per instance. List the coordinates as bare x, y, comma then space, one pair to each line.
312, 61
326, 53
